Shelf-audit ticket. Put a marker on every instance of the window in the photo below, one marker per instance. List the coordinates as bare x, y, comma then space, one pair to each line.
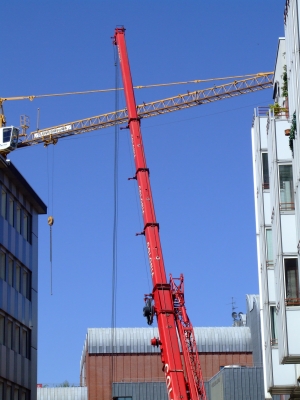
18, 278
269, 243
24, 343
8, 392
1, 391
291, 282
265, 165
273, 316
25, 284
2, 265
10, 271
286, 188
2, 326
3, 203
17, 339
11, 211
26, 287
25, 226
18, 219
16, 394
9, 334
6, 135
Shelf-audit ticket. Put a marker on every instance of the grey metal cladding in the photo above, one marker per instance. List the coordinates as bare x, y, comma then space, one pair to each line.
141, 390
253, 321
62, 393
239, 383
137, 340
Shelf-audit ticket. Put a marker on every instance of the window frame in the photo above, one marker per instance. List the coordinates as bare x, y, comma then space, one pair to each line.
10, 279
284, 206
291, 301
265, 185
273, 325
18, 218
2, 267
11, 210
3, 204
2, 329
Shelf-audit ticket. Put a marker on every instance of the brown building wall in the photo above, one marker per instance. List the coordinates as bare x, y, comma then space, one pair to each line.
145, 367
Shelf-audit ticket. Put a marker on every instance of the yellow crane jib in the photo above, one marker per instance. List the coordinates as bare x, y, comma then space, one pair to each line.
252, 83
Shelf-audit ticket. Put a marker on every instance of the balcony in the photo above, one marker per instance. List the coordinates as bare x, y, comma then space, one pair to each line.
287, 206
274, 342
266, 186
292, 301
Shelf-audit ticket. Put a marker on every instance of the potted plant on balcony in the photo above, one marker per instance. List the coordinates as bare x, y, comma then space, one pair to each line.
284, 91
293, 132
276, 108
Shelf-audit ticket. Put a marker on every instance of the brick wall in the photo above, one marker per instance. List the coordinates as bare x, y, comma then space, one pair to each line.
145, 367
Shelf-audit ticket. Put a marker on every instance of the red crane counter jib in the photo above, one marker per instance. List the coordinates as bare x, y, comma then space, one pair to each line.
177, 385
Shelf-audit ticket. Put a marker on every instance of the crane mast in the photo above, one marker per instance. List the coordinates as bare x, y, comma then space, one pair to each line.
180, 379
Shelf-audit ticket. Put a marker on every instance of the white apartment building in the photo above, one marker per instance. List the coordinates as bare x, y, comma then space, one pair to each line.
277, 240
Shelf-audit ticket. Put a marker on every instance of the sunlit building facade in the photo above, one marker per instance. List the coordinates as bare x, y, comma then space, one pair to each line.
277, 239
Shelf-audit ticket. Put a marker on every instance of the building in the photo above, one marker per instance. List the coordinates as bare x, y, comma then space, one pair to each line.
277, 251
62, 393
19, 210
133, 359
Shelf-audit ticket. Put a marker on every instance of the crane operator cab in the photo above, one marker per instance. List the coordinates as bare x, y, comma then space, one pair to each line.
9, 136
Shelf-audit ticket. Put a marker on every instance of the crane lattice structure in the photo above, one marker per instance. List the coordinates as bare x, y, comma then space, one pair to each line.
239, 87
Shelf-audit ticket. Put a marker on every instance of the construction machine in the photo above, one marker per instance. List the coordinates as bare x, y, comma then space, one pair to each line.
176, 340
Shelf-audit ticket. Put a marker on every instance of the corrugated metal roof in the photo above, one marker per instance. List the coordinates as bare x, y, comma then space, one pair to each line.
137, 340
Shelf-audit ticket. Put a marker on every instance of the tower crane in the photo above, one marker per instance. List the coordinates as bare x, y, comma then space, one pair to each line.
183, 374
11, 139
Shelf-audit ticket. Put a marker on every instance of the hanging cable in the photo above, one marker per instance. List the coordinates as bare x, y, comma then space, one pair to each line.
50, 217
39, 96
115, 223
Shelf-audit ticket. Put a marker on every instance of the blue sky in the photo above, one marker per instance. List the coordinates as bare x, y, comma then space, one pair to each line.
200, 159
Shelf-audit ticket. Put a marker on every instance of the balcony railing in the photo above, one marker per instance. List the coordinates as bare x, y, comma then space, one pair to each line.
274, 342
287, 206
266, 185
262, 111
270, 263
292, 301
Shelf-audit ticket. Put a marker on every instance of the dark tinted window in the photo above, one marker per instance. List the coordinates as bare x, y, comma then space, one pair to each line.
6, 135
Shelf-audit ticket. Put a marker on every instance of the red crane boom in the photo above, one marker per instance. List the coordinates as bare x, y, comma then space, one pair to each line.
184, 380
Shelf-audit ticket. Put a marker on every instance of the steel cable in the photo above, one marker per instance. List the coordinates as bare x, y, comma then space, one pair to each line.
115, 226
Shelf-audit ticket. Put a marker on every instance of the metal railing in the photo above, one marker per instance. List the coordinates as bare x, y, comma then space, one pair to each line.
274, 342
287, 206
292, 301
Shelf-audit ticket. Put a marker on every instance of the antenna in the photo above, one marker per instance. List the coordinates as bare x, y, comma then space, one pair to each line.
232, 305
38, 120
